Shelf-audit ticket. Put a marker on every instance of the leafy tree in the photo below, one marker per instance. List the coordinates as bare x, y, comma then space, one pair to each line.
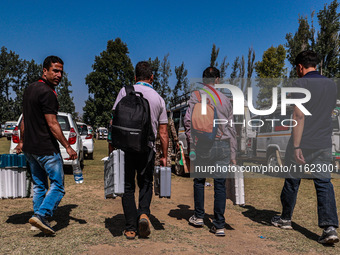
271, 66
165, 73
299, 42
223, 68
31, 73
112, 70
250, 67
182, 84
242, 73
213, 56
11, 69
234, 69
64, 96
156, 75
328, 42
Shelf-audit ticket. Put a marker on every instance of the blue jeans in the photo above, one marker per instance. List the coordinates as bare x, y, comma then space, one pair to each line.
218, 154
327, 211
42, 167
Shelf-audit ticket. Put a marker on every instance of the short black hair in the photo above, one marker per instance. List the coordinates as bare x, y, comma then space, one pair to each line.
51, 59
143, 71
210, 74
307, 58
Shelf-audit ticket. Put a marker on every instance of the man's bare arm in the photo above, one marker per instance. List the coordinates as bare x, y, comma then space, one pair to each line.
164, 137
299, 117
58, 134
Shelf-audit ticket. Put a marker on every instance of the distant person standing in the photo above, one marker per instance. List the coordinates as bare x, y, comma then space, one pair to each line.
310, 146
40, 131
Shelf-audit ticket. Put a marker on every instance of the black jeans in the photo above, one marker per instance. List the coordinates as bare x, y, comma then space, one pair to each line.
135, 162
219, 154
327, 212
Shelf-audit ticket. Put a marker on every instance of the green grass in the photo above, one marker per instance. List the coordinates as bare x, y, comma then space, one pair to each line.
4, 145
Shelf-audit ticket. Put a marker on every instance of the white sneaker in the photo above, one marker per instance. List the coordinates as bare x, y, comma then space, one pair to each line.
33, 228
196, 221
217, 231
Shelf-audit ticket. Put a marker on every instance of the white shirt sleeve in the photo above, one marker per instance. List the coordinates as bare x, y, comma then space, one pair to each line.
121, 94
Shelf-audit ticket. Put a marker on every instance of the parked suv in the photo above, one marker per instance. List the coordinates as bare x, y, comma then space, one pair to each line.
9, 127
70, 131
87, 139
101, 133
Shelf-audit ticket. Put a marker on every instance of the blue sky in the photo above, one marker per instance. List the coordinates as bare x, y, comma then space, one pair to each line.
77, 31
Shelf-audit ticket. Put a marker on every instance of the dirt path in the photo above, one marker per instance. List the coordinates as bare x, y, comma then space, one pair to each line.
171, 232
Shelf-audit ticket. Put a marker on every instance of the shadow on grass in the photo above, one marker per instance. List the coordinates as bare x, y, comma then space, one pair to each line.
264, 217
116, 224
61, 216
184, 213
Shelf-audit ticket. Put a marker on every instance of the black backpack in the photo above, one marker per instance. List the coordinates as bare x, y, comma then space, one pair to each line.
131, 123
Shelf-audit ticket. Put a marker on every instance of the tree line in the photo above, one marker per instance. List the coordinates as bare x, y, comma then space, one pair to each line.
113, 69
15, 75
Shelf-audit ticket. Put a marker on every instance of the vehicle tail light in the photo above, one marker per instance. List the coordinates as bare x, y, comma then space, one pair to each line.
89, 136
249, 142
281, 128
15, 135
72, 138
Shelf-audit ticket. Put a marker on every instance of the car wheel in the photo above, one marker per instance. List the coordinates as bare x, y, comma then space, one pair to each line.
273, 165
8, 138
90, 155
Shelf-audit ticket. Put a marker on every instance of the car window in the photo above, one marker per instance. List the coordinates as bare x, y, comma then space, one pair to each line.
267, 125
282, 119
10, 127
82, 129
64, 123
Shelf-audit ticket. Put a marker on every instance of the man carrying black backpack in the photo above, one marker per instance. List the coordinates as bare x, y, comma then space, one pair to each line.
138, 113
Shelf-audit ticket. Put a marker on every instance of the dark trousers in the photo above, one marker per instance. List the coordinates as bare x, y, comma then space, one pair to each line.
218, 154
327, 212
135, 163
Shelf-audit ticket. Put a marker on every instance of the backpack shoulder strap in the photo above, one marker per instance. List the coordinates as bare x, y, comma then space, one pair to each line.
129, 89
198, 95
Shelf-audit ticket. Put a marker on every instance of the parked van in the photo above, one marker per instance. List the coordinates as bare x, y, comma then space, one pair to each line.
9, 127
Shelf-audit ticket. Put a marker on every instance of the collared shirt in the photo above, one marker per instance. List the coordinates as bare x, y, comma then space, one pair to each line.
157, 105
39, 99
224, 111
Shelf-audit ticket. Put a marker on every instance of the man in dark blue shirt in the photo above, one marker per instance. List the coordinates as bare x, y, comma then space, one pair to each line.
310, 147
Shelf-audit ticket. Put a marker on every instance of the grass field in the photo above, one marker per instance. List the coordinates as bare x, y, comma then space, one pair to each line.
85, 220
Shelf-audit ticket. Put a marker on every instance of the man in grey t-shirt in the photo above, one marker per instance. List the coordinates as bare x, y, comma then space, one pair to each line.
136, 162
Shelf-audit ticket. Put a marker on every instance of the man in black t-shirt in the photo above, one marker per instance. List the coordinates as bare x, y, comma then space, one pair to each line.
40, 131
310, 148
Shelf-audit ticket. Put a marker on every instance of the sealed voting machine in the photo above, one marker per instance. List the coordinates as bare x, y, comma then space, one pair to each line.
235, 186
13, 177
114, 168
162, 181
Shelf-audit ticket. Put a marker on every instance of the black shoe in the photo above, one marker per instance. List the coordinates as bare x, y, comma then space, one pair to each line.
41, 223
284, 224
329, 236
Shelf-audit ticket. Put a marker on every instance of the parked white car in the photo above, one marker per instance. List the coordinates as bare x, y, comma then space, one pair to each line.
87, 139
9, 127
101, 133
70, 131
